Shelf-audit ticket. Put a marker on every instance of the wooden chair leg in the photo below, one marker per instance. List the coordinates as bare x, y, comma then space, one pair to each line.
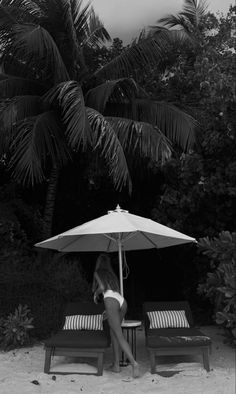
100, 364
47, 362
205, 355
153, 362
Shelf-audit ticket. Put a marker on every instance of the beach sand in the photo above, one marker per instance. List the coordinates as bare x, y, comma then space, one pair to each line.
21, 372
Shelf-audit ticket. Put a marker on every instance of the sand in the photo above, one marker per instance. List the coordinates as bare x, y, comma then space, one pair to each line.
21, 372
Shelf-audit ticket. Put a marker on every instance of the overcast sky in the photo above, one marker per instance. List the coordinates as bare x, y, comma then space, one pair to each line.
126, 18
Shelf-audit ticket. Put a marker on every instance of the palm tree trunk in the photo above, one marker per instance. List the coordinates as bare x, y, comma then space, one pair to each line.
50, 202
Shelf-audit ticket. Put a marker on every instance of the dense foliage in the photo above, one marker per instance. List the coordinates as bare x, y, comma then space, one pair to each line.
199, 188
44, 282
199, 192
220, 285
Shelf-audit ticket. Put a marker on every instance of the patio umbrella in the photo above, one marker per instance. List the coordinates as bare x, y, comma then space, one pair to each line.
118, 230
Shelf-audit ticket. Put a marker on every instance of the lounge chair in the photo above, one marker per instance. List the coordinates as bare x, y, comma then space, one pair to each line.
174, 338
85, 335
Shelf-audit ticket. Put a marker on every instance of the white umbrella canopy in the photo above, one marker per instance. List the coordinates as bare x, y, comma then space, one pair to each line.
118, 230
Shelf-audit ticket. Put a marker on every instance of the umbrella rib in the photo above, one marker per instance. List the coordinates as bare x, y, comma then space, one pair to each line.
145, 236
109, 237
109, 243
123, 240
69, 243
129, 236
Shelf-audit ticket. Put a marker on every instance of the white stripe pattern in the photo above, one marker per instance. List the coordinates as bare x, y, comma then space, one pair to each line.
83, 322
168, 319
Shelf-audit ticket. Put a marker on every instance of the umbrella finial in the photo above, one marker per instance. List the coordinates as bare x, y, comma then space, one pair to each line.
118, 210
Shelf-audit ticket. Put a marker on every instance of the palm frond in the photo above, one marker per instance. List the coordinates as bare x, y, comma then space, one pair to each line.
80, 17
26, 5
19, 108
37, 139
70, 98
178, 126
141, 138
171, 20
89, 29
76, 6
194, 10
105, 140
181, 38
118, 90
19, 67
6, 22
145, 51
69, 25
12, 111
69, 45
5, 16
11, 86
97, 34
175, 38
45, 6
34, 43
189, 18
20, 10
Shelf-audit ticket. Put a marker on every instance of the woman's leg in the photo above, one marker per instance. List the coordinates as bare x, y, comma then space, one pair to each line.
115, 367
113, 314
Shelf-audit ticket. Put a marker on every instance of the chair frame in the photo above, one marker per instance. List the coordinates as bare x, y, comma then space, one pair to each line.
68, 352
180, 350
76, 351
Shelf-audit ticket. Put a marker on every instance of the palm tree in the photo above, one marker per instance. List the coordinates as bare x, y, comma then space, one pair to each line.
52, 107
189, 20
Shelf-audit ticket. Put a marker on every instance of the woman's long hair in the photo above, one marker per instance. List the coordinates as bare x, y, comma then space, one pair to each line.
104, 263
108, 279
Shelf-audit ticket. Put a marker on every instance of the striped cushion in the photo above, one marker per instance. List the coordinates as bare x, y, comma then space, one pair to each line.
168, 319
83, 322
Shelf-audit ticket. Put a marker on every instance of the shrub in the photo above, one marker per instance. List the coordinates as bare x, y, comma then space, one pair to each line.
220, 285
45, 285
45, 304
43, 280
14, 330
65, 274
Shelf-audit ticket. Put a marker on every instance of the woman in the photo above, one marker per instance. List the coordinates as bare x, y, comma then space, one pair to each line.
103, 262
116, 308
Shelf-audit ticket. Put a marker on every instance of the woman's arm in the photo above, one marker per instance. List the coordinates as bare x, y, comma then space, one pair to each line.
94, 284
98, 287
99, 282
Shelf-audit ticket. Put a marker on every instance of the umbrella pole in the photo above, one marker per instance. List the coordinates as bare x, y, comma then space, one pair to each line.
120, 265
